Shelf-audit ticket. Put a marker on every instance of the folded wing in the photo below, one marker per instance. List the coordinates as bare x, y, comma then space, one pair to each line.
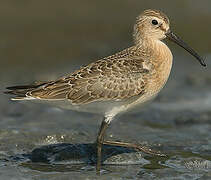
107, 79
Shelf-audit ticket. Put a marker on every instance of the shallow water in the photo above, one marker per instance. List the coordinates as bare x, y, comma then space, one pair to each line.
42, 142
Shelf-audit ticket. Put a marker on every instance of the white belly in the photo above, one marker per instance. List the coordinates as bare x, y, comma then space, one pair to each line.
101, 107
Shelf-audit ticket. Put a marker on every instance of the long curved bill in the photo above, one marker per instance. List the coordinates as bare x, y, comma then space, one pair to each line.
173, 37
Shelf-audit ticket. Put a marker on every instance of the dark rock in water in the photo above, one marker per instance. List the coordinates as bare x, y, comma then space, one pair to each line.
85, 153
74, 153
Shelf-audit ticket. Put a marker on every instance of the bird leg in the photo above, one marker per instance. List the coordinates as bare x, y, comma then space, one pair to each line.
135, 146
100, 139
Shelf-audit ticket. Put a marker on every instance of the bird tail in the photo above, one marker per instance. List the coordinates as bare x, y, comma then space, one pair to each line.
21, 92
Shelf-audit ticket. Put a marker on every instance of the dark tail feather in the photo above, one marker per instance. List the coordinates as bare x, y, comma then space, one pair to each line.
31, 86
20, 87
20, 91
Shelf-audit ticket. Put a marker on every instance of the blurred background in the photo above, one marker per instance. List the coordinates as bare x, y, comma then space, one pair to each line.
39, 36
46, 39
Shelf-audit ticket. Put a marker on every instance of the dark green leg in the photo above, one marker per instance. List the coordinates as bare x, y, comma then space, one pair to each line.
100, 139
100, 142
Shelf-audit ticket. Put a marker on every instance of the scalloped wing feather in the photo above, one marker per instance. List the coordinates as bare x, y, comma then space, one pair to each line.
116, 77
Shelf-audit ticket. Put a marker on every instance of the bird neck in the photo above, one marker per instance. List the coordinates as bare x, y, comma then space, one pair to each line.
154, 49
144, 43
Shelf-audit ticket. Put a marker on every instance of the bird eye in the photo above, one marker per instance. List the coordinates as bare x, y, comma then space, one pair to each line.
154, 22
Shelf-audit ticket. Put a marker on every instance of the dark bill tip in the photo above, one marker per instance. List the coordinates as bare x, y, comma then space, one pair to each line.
173, 37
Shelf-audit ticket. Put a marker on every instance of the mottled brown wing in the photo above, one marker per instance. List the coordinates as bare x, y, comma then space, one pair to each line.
110, 79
